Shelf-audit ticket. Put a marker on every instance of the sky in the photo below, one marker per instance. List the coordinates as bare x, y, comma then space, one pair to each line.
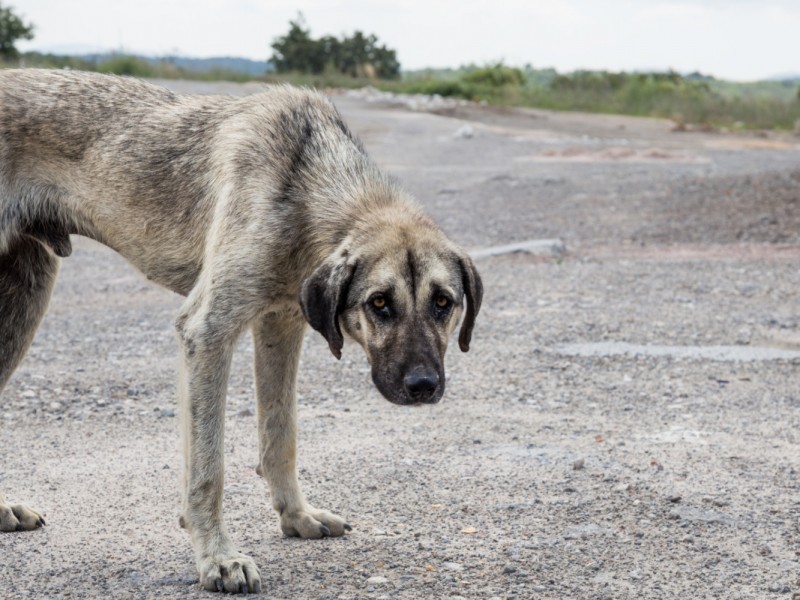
731, 39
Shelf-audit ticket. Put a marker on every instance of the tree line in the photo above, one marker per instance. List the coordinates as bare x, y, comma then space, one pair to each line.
358, 55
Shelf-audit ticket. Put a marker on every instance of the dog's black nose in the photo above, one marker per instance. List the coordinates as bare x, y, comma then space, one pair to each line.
421, 383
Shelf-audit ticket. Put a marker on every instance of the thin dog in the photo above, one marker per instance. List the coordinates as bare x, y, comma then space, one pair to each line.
265, 213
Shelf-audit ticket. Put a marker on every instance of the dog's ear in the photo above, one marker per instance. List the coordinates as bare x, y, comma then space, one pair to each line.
322, 298
473, 290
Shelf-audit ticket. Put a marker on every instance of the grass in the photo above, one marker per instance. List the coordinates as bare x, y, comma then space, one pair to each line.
687, 100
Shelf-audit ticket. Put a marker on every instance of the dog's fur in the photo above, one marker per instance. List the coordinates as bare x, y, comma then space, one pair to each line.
265, 212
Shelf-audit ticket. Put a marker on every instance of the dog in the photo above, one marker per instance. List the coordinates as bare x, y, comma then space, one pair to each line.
266, 213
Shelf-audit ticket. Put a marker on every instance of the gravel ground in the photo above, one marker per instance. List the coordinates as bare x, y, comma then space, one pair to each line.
543, 473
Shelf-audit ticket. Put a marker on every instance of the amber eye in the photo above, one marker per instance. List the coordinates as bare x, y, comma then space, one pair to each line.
379, 302
442, 301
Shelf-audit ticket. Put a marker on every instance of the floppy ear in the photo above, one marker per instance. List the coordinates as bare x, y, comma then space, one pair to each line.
473, 290
322, 298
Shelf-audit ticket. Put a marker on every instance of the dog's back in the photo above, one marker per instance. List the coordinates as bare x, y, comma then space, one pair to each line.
74, 144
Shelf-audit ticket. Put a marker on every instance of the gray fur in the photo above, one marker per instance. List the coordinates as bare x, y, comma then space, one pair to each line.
261, 210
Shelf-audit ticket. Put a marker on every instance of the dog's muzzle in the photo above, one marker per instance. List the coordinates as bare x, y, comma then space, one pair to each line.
422, 384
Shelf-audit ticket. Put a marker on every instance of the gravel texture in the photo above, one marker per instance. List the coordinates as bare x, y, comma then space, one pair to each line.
543, 473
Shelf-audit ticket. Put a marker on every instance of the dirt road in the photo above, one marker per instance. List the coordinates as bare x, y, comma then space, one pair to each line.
590, 445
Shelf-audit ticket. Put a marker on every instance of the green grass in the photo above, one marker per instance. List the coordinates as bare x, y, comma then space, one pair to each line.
761, 105
689, 100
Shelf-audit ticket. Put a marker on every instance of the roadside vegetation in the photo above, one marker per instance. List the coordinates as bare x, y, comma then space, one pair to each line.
686, 99
692, 100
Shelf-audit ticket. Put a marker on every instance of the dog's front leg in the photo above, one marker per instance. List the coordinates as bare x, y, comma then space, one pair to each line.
278, 340
205, 365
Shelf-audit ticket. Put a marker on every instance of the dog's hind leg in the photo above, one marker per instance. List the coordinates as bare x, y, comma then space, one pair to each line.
277, 340
27, 273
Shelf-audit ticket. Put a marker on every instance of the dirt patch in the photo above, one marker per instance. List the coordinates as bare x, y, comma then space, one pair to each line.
615, 153
540, 475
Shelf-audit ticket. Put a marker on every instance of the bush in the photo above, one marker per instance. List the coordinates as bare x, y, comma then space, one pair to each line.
127, 65
494, 76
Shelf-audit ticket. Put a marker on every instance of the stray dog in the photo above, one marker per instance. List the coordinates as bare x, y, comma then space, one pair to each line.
266, 213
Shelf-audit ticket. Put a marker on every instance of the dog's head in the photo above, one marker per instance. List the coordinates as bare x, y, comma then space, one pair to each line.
400, 292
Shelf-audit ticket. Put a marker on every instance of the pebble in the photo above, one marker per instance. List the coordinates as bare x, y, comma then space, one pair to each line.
377, 580
167, 412
452, 566
465, 132
578, 464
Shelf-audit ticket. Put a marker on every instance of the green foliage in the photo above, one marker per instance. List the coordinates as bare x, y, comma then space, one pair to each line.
12, 29
442, 87
497, 83
54, 61
690, 99
127, 65
493, 76
356, 56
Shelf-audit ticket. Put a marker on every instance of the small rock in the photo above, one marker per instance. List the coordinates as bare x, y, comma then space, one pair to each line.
674, 498
779, 588
246, 412
465, 131
167, 412
764, 550
377, 580
578, 464
508, 569
635, 574
452, 566
55, 406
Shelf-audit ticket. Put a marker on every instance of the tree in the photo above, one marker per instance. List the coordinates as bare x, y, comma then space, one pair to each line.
12, 29
296, 51
357, 56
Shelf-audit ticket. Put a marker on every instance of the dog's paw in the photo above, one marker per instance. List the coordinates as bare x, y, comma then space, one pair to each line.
237, 575
312, 523
19, 518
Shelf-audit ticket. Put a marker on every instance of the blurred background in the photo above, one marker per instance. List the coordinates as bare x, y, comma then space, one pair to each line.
703, 63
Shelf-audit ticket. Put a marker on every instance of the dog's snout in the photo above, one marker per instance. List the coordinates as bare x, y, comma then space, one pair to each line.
421, 383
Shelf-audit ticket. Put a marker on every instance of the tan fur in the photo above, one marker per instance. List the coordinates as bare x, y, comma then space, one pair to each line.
265, 212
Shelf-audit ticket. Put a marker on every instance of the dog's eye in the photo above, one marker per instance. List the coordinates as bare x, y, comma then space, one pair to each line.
380, 305
441, 306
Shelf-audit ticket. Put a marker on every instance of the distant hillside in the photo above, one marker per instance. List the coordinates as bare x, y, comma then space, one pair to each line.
793, 77
253, 68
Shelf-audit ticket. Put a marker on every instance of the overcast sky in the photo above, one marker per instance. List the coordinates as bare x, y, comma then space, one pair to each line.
732, 39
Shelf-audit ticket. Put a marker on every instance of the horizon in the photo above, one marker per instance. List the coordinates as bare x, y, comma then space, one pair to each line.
736, 40
82, 51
